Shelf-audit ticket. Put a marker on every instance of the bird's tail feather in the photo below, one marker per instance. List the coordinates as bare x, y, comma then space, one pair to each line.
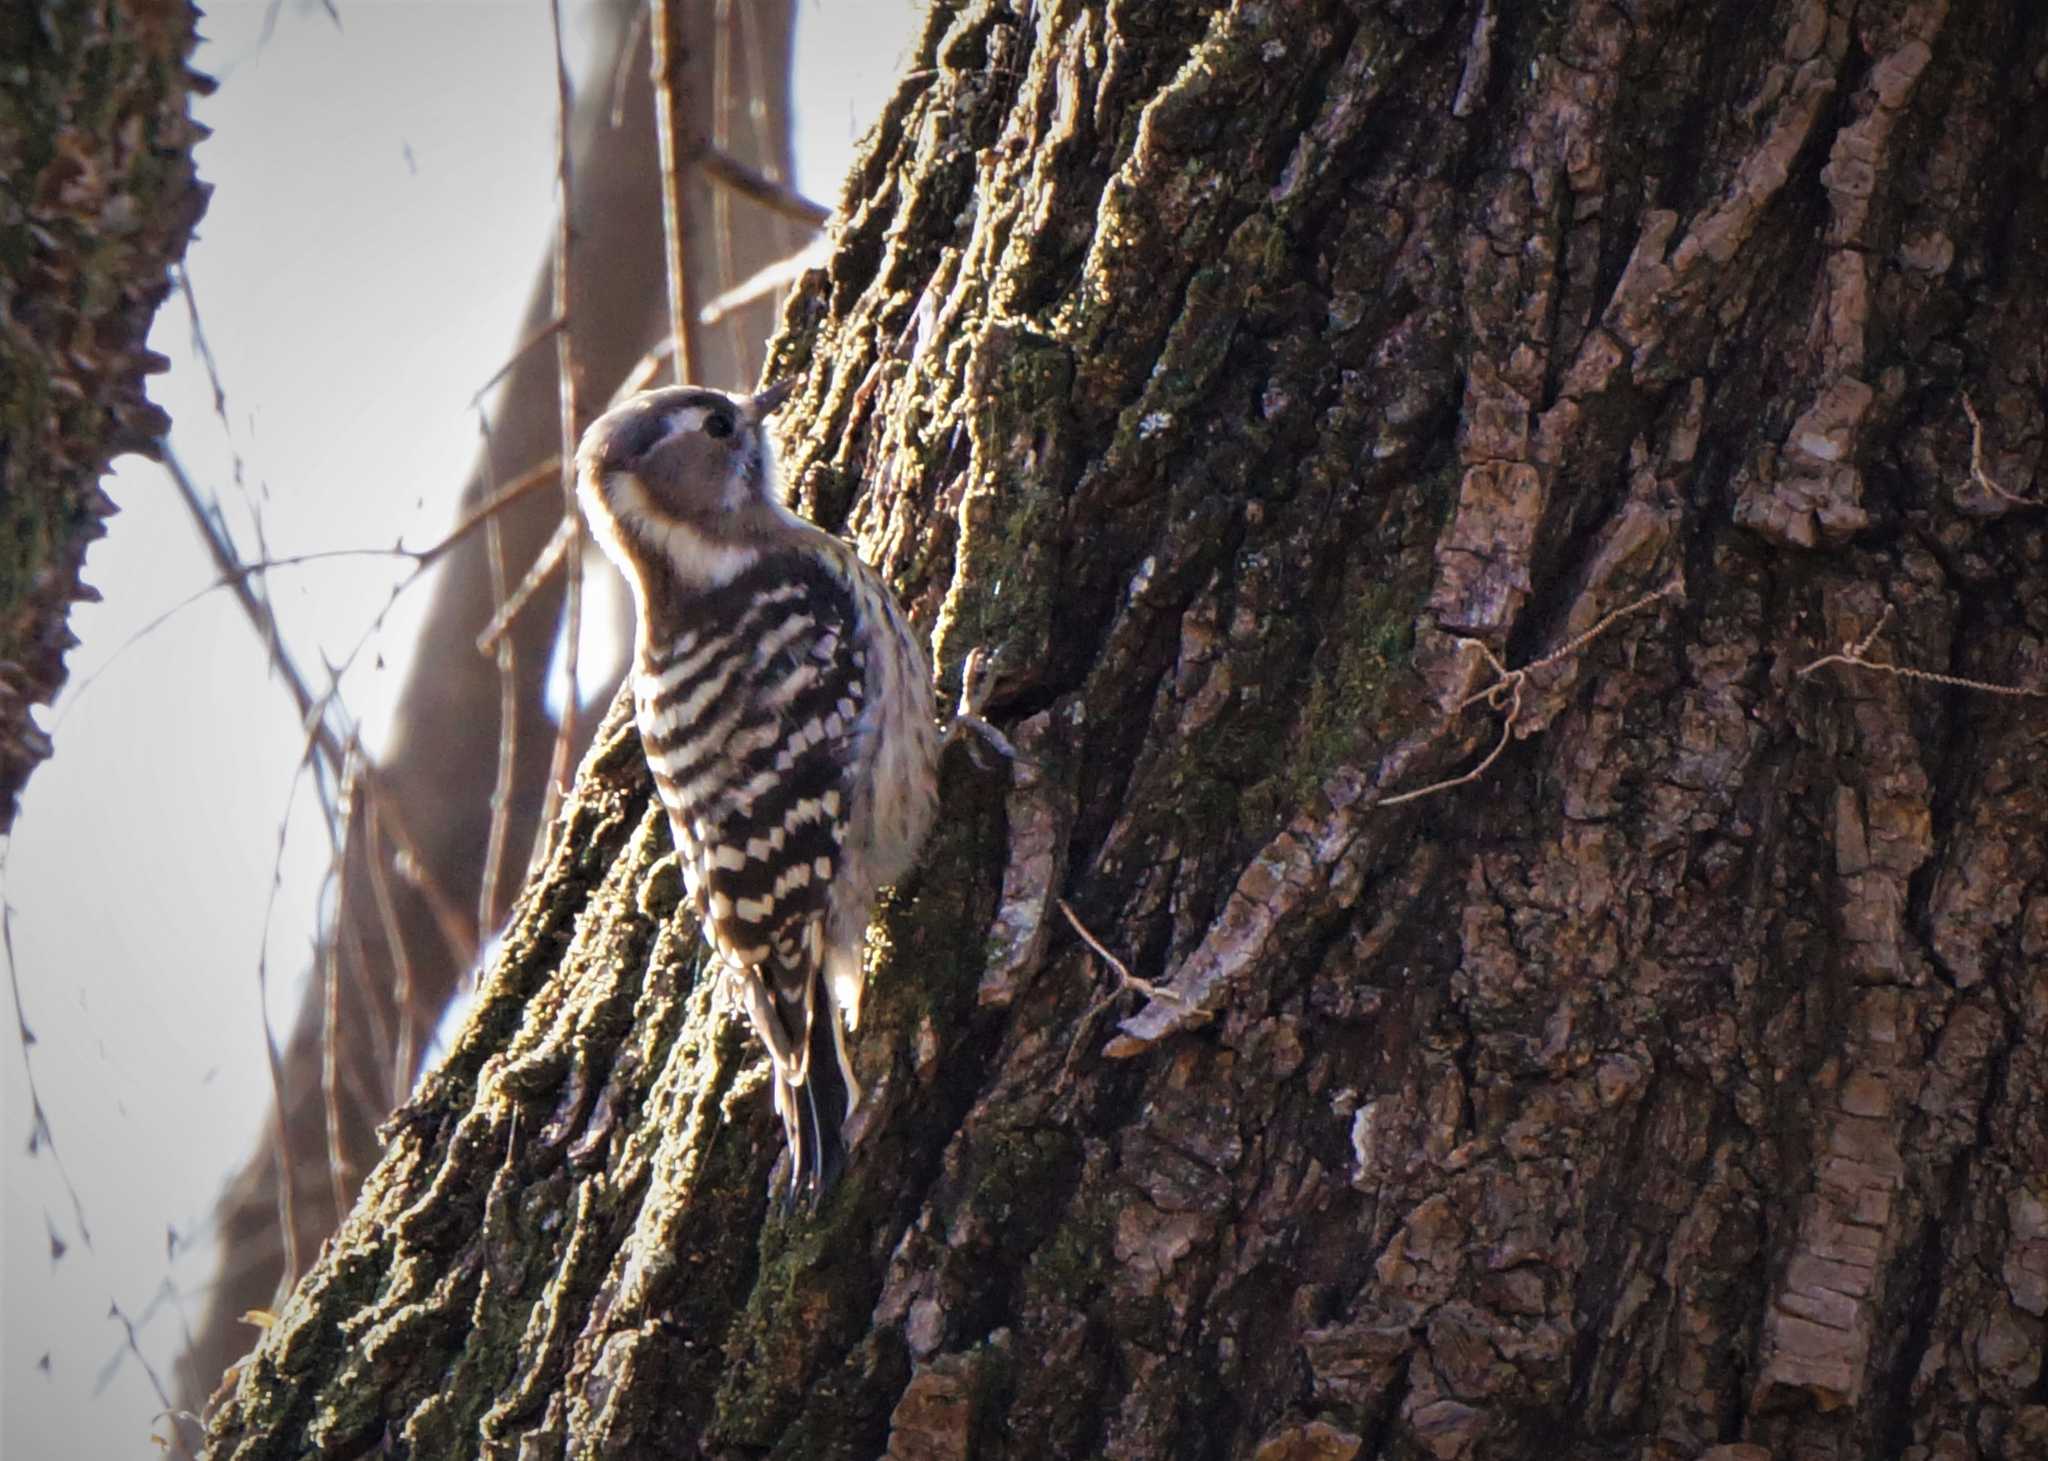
814, 1113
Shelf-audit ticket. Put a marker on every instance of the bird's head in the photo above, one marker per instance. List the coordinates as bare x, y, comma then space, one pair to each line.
686, 477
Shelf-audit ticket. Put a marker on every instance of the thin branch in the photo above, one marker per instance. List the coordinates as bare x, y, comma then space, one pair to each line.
644, 370
1125, 978
1977, 473
1507, 731
116, 1312
256, 608
281, 1154
544, 564
508, 720
238, 469
313, 710
552, 327
565, 370
541, 474
449, 917
669, 55
330, 1023
200, 347
1505, 693
234, 576
1857, 655
237, 573
382, 1036
730, 172
721, 138
768, 129
560, 767
39, 1133
624, 65
765, 281
405, 1047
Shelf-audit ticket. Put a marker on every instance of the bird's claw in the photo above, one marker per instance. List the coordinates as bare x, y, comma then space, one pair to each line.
977, 682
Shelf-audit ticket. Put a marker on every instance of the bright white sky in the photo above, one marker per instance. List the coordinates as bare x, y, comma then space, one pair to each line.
383, 198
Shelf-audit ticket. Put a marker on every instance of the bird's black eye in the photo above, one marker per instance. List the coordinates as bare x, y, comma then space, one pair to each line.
718, 426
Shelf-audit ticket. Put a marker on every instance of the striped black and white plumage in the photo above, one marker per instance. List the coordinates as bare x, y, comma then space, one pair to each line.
786, 710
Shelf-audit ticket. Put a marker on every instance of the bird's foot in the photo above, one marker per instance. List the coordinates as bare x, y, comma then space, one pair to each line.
977, 681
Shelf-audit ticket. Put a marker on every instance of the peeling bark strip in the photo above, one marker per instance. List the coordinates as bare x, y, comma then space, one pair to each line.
1679, 1088
96, 142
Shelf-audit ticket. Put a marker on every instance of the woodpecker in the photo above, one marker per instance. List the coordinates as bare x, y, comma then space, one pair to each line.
786, 710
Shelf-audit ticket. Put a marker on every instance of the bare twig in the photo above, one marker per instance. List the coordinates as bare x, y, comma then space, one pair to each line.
1857, 654
544, 564
449, 916
1125, 978
281, 1152
508, 719
382, 1036
313, 710
552, 327
722, 39
1507, 731
39, 1133
330, 1015
541, 474
559, 764
765, 281
669, 52
565, 370
117, 1313
728, 171
645, 369
623, 66
325, 747
405, 1046
1977, 473
1505, 693
1571, 646
200, 347
213, 533
234, 575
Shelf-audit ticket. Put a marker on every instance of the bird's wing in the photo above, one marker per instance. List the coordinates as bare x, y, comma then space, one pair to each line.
772, 835
753, 724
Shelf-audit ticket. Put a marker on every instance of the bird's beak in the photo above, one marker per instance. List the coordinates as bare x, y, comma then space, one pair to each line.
765, 403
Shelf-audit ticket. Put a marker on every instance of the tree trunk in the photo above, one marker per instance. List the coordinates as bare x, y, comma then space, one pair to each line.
399, 952
1673, 1087
96, 138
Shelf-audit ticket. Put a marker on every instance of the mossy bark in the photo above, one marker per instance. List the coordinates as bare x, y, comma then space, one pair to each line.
1674, 1089
96, 139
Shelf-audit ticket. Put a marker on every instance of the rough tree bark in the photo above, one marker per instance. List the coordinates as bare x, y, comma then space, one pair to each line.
398, 954
1676, 1088
96, 139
